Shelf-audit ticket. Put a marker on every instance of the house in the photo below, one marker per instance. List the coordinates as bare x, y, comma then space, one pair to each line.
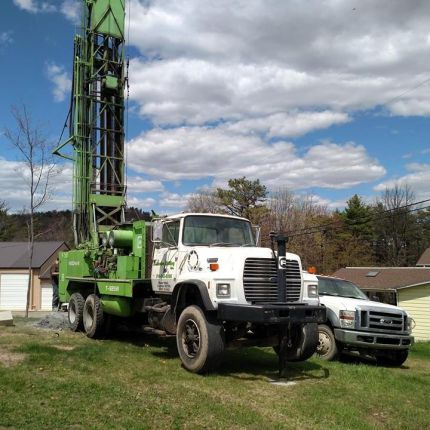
14, 258
407, 287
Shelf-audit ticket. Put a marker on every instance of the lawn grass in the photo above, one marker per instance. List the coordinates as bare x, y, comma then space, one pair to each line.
64, 380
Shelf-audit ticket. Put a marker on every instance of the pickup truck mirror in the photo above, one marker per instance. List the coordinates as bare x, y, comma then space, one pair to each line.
157, 231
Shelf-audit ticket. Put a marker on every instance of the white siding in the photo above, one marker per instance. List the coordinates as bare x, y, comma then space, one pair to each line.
416, 301
13, 292
46, 296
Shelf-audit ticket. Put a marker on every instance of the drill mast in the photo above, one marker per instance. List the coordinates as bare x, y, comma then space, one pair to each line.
96, 121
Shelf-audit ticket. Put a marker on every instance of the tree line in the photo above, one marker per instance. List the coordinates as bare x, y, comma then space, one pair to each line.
391, 231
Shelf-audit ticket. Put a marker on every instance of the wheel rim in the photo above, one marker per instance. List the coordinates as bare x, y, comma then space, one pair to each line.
72, 312
324, 343
191, 339
88, 318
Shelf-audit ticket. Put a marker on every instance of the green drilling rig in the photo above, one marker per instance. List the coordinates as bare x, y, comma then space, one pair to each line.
199, 277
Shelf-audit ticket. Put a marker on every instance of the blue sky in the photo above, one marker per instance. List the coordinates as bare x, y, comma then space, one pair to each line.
318, 98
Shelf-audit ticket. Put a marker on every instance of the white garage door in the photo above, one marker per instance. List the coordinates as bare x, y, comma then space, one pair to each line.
13, 292
46, 299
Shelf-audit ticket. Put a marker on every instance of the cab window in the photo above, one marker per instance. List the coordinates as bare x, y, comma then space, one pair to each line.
170, 235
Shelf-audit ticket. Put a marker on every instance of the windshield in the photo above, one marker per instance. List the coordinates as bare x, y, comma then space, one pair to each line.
217, 231
339, 287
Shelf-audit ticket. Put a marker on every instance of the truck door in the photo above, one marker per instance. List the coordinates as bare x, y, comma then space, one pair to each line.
165, 258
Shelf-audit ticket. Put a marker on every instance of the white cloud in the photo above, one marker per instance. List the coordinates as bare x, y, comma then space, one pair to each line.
61, 80
198, 152
71, 9
134, 201
15, 188
287, 125
137, 184
34, 6
418, 178
174, 200
237, 59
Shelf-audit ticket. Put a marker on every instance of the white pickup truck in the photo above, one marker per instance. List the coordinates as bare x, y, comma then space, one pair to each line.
357, 324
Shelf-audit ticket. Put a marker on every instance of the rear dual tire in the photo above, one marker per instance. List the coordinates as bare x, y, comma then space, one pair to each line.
93, 317
76, 311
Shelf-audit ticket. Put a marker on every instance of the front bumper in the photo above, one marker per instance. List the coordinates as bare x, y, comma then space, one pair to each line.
273, 313
364, 339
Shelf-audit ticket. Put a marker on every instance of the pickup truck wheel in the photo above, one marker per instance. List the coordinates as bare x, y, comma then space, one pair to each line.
327, 348
76, 311
393, 358
200, 341
303, 342
93, 317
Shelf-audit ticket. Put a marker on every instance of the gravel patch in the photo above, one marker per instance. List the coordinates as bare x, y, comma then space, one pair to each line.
53, 321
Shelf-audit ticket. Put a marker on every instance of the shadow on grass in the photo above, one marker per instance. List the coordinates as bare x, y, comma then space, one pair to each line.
367, 360
243, 363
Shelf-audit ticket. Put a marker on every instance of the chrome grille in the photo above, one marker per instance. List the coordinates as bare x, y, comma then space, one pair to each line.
260, 277
382, 321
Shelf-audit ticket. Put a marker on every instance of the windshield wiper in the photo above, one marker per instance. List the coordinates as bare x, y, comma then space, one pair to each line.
328, 294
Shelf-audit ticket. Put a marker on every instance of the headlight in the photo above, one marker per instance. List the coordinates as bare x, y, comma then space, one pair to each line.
312, 291
223, 290
347, 319
410, 324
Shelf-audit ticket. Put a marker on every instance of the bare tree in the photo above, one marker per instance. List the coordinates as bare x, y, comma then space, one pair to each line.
395, 224
204, 201
35, 153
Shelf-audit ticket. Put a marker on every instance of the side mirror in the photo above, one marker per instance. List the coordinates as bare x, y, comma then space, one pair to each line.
157, 231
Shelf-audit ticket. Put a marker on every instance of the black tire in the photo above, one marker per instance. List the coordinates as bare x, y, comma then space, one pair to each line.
93, 317
304, 341
393, 358
200, 341
76, 311
327, 348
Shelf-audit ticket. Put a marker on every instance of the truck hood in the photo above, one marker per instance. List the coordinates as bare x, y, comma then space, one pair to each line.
347, 303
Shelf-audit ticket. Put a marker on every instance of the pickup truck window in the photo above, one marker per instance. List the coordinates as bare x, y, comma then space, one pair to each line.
217, 231
339, 287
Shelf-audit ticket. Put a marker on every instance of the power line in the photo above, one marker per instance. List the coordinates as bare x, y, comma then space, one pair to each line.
366, 219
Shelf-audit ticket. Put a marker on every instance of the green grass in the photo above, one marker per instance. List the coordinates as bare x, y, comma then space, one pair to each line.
69, 381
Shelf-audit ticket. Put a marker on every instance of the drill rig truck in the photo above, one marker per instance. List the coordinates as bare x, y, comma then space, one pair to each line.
199, 277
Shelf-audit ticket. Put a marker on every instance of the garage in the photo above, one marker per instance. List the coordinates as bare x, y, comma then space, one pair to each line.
46, 296
13, 291
14, 272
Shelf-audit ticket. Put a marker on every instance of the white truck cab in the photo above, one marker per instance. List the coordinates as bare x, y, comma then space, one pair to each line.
221, 252
357, 324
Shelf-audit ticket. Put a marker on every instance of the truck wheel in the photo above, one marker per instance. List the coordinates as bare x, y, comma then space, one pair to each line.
303, 342
200, 342
93, 317
327, 348
393, 358
76, 311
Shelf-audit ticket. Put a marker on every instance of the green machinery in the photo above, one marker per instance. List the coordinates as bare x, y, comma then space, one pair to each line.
96, 136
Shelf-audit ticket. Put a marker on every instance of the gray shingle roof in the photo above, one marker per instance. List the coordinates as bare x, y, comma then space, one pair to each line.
386, 278
14, 255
